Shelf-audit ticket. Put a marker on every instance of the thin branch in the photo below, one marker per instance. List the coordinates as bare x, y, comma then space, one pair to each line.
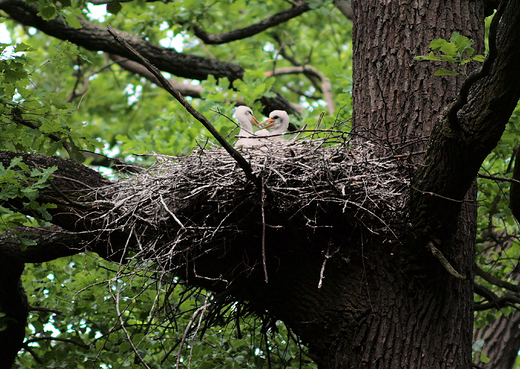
66, 145
128, 337
45, 310
33, 354
299, 8
168, 87
263, 234
305, 69
445, 263
171, 213
500, 179
495, 281
66, 340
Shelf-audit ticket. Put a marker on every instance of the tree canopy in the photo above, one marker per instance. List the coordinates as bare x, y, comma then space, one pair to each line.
99, 297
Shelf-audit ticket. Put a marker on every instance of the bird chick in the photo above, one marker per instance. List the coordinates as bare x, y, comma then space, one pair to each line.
277, 124
246, 118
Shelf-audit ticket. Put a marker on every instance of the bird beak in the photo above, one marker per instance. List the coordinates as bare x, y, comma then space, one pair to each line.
256, 122
268, 122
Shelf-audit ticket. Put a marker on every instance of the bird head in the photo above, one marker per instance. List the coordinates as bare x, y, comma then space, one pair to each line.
245, 114
278, 120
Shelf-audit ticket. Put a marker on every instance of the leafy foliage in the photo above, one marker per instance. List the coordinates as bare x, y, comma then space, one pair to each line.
457, 51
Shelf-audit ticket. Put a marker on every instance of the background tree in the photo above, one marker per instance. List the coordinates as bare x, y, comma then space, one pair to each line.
387, 301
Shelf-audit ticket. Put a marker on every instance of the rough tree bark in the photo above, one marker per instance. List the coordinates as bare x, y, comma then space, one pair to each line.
383, 304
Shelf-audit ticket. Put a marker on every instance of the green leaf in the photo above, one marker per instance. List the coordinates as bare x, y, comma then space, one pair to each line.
72, 20
23, 47
114, 7
445, 72
484, 358
48, 12
444, 46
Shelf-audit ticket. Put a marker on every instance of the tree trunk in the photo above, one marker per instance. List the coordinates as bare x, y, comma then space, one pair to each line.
423, 319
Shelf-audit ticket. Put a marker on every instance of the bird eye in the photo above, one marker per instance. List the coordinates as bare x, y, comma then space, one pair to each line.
275, 117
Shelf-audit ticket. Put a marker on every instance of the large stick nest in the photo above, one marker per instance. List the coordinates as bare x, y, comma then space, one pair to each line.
184, 207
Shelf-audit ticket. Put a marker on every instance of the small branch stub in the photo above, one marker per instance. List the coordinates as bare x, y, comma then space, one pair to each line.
445, 263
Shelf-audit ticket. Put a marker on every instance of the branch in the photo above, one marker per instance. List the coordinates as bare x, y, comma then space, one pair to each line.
24, 122
45, 310
164, 82
496, 281
445, 263
500, 179
50, 243
306, 69
137, 68
495, 302
67, 340
299, 8
345, 7
96, 38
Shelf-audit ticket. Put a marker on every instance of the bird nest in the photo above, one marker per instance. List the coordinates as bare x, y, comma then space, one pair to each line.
184, 207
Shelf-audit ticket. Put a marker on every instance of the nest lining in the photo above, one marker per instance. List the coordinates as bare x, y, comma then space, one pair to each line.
199, 201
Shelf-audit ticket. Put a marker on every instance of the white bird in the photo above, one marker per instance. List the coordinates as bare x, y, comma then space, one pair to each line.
279, 122
246, 118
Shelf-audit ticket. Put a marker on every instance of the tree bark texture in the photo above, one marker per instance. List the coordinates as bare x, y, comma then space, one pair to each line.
397, 103
397, 99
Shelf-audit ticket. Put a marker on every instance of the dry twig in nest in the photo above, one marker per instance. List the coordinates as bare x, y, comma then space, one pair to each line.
184, 207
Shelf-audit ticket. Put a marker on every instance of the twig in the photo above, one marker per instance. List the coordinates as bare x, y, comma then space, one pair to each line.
171, 213
200, 310
328, 255
445, 263
168, 87
263, 235
128, 337
239, 34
